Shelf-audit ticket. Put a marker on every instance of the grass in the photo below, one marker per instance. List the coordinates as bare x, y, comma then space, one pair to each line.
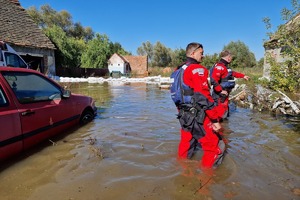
255, 73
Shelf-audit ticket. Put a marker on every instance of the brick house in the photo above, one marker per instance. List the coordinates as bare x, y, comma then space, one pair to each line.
135, 65
21, 33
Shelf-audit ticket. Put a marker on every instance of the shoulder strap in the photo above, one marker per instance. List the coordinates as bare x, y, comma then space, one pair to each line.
184, 66
181, 81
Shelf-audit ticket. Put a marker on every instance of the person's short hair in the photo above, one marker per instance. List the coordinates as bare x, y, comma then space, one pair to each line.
193, 46
225, 53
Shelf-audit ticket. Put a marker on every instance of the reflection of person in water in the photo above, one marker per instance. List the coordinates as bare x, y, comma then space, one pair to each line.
199, 181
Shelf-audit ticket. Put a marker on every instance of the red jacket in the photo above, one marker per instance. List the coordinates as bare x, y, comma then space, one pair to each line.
196, 76
219, 72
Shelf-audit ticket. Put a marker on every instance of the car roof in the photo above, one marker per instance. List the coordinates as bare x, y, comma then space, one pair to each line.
17, 69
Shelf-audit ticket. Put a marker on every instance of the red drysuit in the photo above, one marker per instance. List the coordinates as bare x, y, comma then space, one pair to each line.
222, 78
195, 76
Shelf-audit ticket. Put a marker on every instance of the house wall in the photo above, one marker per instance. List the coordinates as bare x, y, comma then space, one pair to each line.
116, 67
138, 64
275, 54
46, 56
116, 64
273, 49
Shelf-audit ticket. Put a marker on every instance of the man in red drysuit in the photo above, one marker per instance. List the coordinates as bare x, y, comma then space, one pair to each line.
222, 80
207, 131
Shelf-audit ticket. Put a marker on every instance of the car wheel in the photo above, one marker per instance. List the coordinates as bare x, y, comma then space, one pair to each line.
86, 117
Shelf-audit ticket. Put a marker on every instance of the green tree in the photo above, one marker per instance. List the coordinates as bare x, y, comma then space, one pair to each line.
178, 56
79, 32
260, 63
69, 50
161, 56
285, 73
117, 48
209, 60
97, 52
146, 49
242, 57
48, 17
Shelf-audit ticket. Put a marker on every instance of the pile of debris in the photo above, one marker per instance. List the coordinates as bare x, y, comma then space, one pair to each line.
263, 99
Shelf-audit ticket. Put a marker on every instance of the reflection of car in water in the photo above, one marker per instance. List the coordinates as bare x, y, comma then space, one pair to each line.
34, 108
9, 57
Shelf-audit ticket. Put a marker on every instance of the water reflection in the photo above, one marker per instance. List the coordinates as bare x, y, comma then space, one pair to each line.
129, 152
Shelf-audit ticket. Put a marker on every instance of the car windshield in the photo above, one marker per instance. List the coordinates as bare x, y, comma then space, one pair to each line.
30, 87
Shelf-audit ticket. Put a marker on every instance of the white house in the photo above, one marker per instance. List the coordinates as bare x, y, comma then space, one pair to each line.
117, 63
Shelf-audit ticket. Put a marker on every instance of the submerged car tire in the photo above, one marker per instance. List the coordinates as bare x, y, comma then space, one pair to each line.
86, 117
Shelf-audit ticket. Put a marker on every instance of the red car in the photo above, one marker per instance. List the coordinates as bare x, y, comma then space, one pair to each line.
34, 108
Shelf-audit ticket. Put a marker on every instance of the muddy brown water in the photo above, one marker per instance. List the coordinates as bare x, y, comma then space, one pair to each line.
129, 152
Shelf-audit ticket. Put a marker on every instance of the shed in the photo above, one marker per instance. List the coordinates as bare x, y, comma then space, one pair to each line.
23, 34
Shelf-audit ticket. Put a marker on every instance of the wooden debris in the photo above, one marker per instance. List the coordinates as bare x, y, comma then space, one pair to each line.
289, 101
265, 99
239, 96
276, 104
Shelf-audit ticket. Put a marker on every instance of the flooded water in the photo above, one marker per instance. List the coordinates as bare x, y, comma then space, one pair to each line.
129, 152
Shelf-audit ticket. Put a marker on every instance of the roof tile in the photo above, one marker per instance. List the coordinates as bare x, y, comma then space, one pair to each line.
17, 27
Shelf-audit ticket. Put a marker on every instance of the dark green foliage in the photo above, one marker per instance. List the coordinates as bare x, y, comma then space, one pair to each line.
285, 72
242, 57
209, 60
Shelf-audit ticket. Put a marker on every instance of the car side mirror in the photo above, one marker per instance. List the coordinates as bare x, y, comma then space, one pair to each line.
66, 94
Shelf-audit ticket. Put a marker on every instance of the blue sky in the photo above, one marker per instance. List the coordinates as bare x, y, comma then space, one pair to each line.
175, 23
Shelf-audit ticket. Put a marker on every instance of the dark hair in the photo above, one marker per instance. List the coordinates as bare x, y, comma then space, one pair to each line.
225, 53
192, 47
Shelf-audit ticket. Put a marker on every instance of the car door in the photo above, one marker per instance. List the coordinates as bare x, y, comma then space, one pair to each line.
43, 111
10, 126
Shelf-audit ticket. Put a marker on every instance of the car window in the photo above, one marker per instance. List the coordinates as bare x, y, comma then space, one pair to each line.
3, 99
14, 60
29, 87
